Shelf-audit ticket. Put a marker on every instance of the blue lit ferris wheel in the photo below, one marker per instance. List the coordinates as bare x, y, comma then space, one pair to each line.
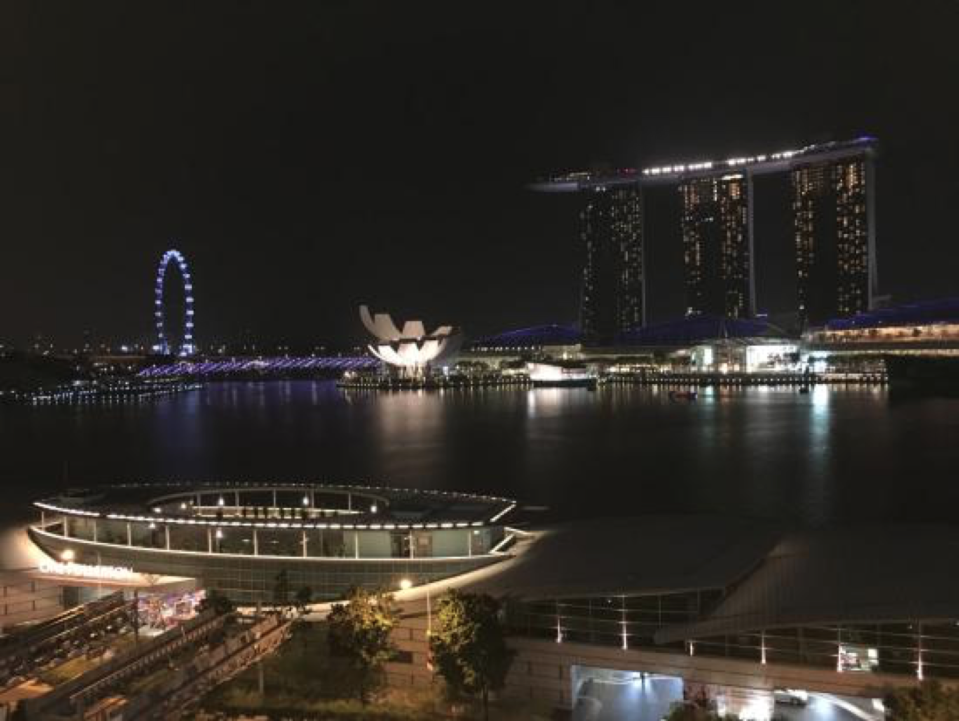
187, 347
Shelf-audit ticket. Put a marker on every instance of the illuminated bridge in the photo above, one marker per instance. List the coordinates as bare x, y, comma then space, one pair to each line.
237, 366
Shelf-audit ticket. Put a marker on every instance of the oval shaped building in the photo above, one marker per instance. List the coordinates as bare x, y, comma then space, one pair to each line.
237, 538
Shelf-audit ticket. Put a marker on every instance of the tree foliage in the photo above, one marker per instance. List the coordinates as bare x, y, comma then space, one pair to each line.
929, 701
303, 598
215, 601
281, 589
360, 631
469, 645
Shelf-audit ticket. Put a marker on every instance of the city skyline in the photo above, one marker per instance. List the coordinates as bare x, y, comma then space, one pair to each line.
578, 360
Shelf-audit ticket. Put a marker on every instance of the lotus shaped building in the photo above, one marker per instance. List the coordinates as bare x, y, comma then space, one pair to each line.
412, 349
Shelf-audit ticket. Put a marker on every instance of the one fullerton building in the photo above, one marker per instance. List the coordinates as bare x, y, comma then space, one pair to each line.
833, 226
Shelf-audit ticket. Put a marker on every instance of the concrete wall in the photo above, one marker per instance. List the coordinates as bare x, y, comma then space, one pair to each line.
26, 599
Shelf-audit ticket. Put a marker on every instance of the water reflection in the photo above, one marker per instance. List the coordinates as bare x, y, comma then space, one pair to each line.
816, 490
830, 456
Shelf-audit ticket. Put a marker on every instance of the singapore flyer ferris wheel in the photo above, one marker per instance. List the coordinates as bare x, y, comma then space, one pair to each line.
164, 346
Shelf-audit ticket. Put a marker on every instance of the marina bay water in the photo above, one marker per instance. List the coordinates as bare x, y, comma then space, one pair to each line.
833, 456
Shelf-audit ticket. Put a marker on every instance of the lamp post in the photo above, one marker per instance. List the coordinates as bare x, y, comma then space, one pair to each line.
405, 585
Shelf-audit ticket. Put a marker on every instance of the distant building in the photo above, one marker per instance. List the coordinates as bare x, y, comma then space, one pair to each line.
924, 327
717, 245
507, 349
835, 237
833, 211
611, 229
713, 343
410, 350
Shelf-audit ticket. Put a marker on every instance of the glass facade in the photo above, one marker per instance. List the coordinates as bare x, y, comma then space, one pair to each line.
243, 561
623, 621
249, 579
928, 649
717, 245
835, 248
613, 273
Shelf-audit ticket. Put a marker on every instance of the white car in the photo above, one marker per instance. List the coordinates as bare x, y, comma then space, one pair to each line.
791, 697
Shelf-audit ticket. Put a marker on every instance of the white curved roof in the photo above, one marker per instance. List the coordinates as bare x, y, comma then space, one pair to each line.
848, 575
636, 556
409, 353
381, 325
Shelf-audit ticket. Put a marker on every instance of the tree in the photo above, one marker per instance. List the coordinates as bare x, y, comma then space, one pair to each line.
215, 601
281, 589
302, 599
929, 701
360, 631
469, 645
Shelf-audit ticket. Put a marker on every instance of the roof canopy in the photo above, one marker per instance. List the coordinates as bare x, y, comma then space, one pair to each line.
703, 329
922, 313
533, 337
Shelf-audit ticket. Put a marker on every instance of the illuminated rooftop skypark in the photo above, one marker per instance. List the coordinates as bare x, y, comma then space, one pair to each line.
674, 172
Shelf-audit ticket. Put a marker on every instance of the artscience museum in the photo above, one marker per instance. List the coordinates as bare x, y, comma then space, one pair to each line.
411, 350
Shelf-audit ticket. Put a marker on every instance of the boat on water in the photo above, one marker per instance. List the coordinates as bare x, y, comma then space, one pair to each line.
926, 374
683, 395
561, 375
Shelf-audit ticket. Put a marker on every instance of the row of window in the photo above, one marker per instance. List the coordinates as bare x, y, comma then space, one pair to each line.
312, 543
915, 648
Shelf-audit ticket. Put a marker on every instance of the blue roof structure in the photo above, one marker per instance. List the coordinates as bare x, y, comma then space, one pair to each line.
533, 337
926, 312
700, 329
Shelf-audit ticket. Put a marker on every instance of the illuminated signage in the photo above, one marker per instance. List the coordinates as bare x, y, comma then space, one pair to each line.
83, 570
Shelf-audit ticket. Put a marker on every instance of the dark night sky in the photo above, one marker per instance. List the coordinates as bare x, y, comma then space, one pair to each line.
311, 156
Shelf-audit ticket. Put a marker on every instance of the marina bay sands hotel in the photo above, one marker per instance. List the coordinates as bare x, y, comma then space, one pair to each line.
833, 225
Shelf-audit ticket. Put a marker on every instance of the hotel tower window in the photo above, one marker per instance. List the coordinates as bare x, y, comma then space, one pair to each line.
613, 272
834, 237
717, 245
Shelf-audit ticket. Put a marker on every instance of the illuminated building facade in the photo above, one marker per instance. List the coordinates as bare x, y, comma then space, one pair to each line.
833, 211
834, 235
237, 537
717, 245
611, 229
411, 350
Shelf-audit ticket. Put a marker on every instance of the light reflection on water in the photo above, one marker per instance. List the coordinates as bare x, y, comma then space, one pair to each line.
829, 456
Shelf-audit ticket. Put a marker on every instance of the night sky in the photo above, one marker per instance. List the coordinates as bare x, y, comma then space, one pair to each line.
311, 156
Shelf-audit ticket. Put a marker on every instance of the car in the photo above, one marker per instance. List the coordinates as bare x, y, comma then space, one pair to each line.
791, 697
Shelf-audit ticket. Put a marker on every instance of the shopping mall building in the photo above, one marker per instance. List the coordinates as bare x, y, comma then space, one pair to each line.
622, 618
